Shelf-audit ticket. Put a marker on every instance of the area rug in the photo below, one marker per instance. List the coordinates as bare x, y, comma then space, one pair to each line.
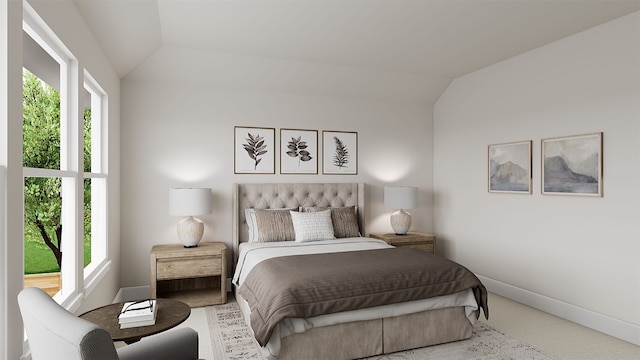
232, 340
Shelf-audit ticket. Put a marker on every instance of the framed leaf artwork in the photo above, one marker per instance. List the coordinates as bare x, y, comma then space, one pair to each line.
254, 150
339, 152
298, 151
510, 167
572, 165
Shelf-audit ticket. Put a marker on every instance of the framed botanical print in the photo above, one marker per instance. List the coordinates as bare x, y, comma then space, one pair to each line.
339, 152
572, 165
298, 151
254, 150
510, 168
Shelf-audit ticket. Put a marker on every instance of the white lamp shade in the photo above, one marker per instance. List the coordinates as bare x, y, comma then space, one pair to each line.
189, 201
401, 197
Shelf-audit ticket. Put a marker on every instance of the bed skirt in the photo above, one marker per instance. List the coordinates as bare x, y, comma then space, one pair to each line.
360, 339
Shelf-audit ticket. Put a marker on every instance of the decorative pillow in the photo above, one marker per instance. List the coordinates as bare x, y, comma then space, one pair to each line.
312, 208
312, 226
345, 222
268, 225
344, 219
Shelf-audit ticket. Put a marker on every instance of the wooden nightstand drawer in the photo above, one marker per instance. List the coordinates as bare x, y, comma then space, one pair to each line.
188, 267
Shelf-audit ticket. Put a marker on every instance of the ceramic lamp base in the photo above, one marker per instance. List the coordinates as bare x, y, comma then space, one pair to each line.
190, 231
401, 222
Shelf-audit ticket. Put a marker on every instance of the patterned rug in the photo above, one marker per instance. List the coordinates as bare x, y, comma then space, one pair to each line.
232, 340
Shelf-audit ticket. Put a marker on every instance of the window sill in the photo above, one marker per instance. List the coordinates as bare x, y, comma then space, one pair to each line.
92, 279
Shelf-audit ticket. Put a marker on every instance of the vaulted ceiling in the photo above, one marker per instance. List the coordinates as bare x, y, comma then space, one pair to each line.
434, 38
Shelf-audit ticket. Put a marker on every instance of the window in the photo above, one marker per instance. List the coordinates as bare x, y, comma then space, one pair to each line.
64, 157
95, 180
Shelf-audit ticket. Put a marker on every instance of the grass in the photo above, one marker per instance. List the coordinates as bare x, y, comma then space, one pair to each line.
39, 259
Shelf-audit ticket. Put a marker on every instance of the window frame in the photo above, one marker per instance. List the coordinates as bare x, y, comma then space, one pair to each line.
100, 264
78, 281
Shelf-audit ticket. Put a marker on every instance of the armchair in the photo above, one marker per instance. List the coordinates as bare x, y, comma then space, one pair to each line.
55, 333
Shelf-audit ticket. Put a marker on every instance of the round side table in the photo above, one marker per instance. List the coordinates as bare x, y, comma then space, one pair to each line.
170, 313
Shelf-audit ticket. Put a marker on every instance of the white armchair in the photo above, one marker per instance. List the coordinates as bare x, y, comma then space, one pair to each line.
55, 333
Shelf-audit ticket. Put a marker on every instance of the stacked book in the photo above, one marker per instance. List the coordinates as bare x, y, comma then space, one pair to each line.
138, 313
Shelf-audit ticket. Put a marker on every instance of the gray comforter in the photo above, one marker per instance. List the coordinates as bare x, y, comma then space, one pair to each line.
304, 286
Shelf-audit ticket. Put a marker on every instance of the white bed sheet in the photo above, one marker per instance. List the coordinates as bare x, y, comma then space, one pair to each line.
253, 253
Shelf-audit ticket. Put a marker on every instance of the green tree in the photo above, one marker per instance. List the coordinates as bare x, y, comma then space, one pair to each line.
41, 149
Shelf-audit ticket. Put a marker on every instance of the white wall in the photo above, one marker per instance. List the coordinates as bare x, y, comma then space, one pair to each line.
179, 110
576, 254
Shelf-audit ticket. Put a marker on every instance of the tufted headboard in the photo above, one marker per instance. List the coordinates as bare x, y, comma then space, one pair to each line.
291, 195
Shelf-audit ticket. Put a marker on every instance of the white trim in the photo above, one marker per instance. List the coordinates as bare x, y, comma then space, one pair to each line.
98, 121
611, 326
71, 303
42, 34
95, 275
99, 242
89, 175
36, 172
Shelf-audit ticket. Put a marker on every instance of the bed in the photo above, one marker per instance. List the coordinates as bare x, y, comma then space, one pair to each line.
392, 305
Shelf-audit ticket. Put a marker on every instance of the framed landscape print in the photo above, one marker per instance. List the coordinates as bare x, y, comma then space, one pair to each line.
572, 165
298, 151
254, 150
339, 152
510, 167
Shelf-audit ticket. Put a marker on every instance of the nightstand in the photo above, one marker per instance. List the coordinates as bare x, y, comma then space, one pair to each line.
196, 276
417, 240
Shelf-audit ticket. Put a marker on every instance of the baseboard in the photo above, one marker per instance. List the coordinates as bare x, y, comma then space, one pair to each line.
132, 293
617, 328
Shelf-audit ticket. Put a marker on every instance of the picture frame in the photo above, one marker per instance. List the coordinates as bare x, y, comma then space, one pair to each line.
339, 152
572, 165
298, 151
254, 150
510, 168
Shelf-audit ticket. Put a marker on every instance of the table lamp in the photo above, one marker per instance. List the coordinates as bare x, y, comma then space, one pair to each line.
401, 197
190, 202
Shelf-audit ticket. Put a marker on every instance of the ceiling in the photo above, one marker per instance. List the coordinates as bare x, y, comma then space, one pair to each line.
433, 38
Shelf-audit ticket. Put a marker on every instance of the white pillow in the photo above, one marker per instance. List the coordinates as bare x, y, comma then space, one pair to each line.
312, 226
